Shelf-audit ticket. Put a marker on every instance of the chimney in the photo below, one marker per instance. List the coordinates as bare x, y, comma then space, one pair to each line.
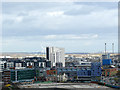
105, 48
113, 48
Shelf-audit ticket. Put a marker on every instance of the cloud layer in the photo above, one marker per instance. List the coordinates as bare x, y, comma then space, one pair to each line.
81, 23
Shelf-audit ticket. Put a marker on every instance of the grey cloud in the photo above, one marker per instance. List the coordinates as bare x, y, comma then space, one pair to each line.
81, 10
106, 5
23, 14
37, 22
26, 26
16, 7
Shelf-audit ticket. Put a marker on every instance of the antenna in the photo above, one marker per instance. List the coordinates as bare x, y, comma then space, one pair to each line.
113, 48
105, 48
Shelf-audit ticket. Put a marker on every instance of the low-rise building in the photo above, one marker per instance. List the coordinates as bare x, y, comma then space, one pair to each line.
62, 78
71, 72
109, 72
2, 65
96, 69
51, 75
81, 73
32, 62
18, 75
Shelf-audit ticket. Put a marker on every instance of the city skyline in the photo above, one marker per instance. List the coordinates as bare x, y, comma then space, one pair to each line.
77, 27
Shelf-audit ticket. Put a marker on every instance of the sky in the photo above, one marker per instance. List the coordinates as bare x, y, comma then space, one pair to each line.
75, 26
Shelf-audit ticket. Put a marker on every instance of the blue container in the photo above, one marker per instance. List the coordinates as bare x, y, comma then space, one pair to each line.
106, 61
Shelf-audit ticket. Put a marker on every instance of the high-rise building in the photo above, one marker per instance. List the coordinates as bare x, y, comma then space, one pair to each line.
56, 56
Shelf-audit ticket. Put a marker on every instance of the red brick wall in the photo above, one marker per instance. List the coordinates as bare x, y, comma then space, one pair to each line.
51, 72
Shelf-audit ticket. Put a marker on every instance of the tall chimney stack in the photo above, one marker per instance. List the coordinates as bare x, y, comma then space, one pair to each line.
105, 48
113, 48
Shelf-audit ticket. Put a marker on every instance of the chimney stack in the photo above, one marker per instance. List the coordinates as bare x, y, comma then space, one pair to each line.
113, 48
105, 48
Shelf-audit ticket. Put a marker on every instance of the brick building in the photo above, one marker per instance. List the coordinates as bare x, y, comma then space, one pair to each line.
109, 72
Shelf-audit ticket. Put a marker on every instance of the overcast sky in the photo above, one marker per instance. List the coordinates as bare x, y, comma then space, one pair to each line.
77, 27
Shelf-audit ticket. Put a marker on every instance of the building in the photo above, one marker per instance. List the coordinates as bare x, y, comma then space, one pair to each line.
36, 62
84, 74
41, 74
104, 57
106, 62
56, 56
51, 75
28, 62
2, 65
71, 72
62, 78
18, 75
77, 62
108, 72
9, 64
96, 69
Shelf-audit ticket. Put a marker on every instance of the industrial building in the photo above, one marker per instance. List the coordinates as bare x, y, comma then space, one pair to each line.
106, 61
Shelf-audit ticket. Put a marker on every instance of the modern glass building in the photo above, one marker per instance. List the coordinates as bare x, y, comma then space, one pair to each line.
20, 75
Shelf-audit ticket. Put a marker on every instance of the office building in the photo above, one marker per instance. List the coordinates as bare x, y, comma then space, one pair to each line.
56, 56
18, 75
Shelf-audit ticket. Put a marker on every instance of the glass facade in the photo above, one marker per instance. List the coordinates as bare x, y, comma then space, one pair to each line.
22, 74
